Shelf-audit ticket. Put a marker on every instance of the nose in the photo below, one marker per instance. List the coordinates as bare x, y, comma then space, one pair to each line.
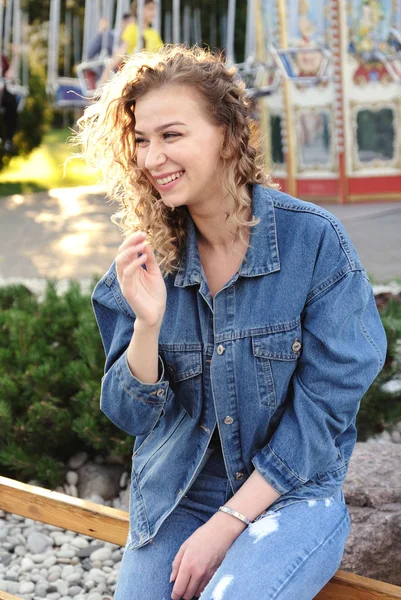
154, 157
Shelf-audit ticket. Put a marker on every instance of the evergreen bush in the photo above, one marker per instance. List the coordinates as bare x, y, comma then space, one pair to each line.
380, 408
51, 365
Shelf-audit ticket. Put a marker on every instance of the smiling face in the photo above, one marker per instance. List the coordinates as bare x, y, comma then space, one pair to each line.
178, 147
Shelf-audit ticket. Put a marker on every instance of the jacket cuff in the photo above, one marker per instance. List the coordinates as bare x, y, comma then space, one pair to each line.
275, 471
153, 393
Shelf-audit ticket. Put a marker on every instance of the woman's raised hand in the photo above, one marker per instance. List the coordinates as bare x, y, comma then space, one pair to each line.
144, 290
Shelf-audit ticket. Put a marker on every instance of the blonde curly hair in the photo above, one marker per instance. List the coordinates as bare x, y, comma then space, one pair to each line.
106, 135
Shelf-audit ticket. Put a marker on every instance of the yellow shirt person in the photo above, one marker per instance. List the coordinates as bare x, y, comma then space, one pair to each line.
151, 38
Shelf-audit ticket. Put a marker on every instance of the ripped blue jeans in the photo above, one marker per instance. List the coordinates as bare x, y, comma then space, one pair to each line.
289, 553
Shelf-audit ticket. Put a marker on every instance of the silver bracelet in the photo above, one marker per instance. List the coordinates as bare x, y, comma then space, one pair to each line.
236, 514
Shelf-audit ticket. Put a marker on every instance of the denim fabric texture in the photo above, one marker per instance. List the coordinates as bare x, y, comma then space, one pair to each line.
289, 553
278, 360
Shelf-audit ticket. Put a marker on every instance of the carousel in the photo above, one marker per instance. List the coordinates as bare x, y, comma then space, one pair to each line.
334, 122
325, 76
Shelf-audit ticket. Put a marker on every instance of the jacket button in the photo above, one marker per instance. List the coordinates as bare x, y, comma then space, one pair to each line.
228, 420
220, 349
160, 392
239, 476
296, 347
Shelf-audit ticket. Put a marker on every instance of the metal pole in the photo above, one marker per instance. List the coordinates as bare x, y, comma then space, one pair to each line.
289, 143
25, 49
213, 30
264, 113
50, 47
157, 24
67, 47
167, 27
117, 25
139, 42
230, 31
187, 25
87, 29
1, 33
176, 22
7, 27
197, 26
250, 41
76, 39
52, 64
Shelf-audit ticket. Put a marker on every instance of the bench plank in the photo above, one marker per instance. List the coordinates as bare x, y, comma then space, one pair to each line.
348, 586
111, 525
82, 516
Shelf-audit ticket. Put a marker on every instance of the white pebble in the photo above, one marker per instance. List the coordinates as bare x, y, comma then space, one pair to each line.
101, 554
38, 558
72, 478
65, 553
26, 564
79, 542
50, 561
62, 587
77, 461
74, 577
26, 587
74, 590
124, 479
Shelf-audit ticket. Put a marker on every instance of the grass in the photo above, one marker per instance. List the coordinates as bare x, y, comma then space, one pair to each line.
43, 168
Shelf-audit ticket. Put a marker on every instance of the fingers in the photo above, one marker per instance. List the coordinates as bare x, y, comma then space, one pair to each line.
202, 586
180, 589
132, 246
135, 238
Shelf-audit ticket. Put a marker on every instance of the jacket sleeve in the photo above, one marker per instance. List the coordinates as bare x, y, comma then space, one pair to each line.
344, 348
132, 405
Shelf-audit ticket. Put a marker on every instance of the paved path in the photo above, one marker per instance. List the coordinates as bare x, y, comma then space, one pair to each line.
67, 233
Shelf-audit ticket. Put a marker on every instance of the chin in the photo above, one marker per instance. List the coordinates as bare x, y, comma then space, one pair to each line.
174, 202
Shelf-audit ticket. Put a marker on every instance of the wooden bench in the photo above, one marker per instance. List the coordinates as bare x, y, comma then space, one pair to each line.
111, 525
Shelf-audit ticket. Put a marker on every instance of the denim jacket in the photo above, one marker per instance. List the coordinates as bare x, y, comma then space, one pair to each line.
279, 358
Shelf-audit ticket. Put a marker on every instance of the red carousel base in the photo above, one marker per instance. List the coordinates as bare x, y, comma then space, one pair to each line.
359, 189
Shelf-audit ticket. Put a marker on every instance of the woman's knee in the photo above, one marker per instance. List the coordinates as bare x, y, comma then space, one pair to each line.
290, 553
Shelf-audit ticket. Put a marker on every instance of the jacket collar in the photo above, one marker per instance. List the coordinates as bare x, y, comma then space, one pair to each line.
262, 256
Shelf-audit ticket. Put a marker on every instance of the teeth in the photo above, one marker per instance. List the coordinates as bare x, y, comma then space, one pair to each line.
170, 178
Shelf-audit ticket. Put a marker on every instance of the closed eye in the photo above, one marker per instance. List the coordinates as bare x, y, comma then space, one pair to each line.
166, 136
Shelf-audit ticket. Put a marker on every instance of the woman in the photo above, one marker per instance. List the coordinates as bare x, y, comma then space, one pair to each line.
240, 331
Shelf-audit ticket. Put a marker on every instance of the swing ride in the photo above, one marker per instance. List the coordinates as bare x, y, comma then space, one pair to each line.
13, 70
326, 75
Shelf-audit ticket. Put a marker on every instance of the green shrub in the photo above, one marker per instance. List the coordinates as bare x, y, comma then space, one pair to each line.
51, 364
380, 408
35, 116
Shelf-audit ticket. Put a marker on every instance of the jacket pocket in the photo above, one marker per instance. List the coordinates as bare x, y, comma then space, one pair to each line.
183, 365
276, 356
148, 453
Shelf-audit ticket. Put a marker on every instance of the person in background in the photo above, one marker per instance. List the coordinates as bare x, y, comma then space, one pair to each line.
8, 102
99, 43
151, 40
